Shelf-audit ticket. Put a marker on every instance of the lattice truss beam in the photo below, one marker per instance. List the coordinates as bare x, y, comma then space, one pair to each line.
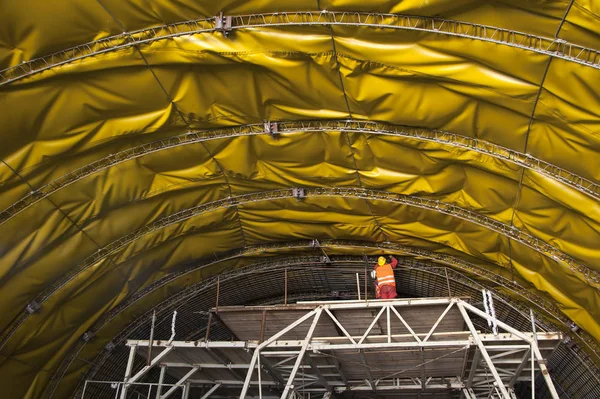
321, 348
553, 47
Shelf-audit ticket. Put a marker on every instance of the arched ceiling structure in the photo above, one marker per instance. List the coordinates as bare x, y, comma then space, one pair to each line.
133, 144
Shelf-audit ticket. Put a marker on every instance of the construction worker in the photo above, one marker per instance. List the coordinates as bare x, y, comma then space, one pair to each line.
385, 282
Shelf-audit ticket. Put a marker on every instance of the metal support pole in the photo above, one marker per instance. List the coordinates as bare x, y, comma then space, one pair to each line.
448, 282
358, 286
218, 289
84, 388
128, 371
186, 391
307, 340
532, 374
161, 379
535, 349
483, 351
366, 290
150, 341
262, 326
207, 334
389, 327
520, 368
285, 288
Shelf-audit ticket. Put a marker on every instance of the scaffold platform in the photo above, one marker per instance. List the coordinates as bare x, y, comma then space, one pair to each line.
428, 347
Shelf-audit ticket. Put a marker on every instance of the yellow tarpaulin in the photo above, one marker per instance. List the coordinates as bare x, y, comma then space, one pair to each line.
505, 134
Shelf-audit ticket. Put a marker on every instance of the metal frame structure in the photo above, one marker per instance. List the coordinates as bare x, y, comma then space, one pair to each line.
492, 363
579, 183
553, 47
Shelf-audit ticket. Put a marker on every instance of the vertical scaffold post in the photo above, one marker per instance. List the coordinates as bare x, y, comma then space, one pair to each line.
499, 384
366, 290
447, 281
128, 371
150, 342
285, 286
161, 379
218, 289
358, 286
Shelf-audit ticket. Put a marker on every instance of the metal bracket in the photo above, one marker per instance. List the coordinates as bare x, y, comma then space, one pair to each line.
223, 24
272, 128
87, 336
33, 307
298, 193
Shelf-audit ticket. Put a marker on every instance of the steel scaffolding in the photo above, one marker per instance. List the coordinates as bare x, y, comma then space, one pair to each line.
320, 348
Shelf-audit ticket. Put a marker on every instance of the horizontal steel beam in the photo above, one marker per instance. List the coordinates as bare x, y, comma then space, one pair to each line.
401, 387
552, 47
444, 138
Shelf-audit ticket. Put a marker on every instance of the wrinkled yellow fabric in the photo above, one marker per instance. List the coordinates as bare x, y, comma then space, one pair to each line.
65, 118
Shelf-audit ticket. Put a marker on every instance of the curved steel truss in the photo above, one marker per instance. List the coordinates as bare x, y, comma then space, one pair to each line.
581, 184
552, 47
511, 232
456, 277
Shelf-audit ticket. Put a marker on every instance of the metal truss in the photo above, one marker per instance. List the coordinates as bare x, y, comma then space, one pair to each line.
581, 184
552, 311
552, 47
496, 362
589, 275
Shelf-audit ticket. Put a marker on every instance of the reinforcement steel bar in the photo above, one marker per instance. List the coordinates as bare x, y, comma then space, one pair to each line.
553, 47
579, 183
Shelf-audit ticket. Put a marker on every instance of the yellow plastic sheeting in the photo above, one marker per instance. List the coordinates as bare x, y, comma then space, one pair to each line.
566, 124
45, 28
72, 115
448, 173
142, 191
40, 28
76, 112
262, 163
270, 83
574, 233
464, 86
538, 17
581, 24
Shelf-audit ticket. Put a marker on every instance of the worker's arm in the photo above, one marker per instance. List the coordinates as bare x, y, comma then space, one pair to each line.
393, 262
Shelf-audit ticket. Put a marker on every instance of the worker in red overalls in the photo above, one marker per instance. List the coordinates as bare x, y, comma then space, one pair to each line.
385, 282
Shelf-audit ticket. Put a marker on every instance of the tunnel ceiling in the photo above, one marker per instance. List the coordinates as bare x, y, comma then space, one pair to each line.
134, 143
